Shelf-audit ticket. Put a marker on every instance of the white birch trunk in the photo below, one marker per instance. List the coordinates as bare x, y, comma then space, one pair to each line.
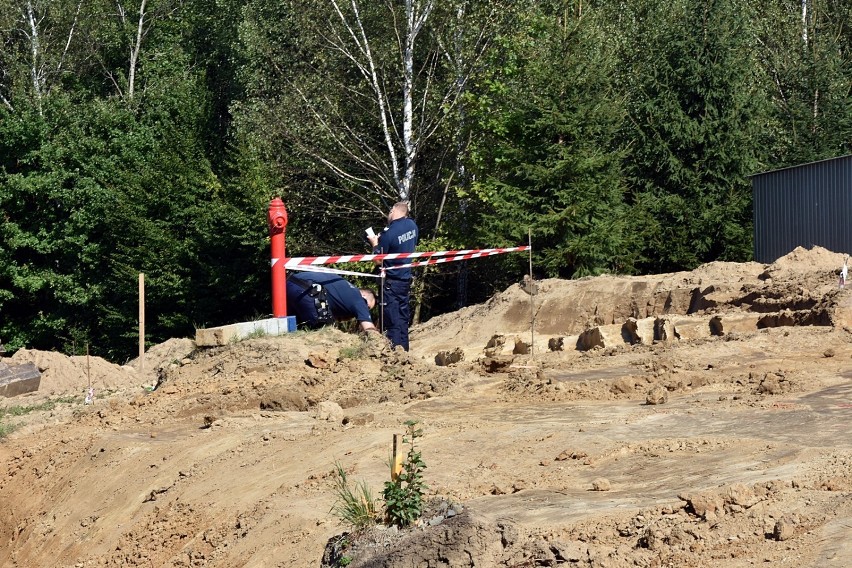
36, 74
134, 51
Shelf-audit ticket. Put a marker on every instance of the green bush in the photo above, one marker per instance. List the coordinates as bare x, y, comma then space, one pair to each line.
404, 493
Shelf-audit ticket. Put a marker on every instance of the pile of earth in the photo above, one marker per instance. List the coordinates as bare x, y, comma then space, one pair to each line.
634, 455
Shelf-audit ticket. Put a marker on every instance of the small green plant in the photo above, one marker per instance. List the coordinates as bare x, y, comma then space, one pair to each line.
256, 333
403, 494
354, 506
344, 561
358, 351
5, 430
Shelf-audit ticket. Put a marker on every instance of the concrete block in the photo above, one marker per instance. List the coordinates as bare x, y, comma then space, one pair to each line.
671, 328
19, 379
664, 329
691, 327
223, 335
640, 330
734, 323
602, 336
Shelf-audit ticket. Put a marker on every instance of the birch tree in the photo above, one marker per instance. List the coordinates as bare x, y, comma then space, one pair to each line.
127, 27
37, 38
370, 99
805, 50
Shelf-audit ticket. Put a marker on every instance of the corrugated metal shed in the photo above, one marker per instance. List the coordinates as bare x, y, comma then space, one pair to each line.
807, 205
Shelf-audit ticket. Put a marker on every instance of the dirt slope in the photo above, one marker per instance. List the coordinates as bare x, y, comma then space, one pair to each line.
555, 458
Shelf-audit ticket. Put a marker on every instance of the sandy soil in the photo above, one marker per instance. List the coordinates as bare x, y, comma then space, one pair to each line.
721, 444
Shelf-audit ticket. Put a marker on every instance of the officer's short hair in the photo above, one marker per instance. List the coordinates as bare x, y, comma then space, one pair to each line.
402, 206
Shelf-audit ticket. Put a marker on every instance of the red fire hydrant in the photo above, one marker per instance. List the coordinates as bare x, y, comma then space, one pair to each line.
277, 225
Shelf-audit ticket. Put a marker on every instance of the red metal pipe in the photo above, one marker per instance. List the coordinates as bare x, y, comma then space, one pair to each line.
277, 226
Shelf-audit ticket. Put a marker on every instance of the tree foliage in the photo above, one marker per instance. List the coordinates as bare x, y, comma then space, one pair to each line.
696, 117
149, 136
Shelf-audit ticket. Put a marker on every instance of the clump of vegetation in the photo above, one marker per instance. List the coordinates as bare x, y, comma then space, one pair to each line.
23, 410
357, 351
403, 495
355, 505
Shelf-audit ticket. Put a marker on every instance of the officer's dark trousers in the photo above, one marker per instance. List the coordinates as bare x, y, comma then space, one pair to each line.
396, 311
302, 305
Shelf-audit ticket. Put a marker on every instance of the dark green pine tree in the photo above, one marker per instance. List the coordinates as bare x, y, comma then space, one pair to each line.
696, 129
548, 160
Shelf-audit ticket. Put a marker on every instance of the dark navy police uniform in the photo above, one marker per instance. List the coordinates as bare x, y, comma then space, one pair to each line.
344, 299
399, 236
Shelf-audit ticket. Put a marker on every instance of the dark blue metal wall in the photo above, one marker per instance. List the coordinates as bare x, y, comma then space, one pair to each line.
805, 206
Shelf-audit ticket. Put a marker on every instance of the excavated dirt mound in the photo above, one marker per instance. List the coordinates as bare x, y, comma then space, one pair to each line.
696, 442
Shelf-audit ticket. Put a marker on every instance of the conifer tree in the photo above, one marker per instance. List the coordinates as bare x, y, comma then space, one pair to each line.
696, 128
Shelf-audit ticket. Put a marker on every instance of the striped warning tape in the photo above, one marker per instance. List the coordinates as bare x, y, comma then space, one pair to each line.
314, 268
454, 254
442, 260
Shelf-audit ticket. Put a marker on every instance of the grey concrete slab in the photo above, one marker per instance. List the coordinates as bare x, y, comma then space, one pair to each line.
18, 379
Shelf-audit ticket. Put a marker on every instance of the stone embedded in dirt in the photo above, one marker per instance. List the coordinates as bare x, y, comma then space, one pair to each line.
495, 342
772, 383
784, 529
497, 364
349, 402
828, 353
622, 385
361, 419
572, 455
727, 324
835, 484
444, 358
318, 361
604, 336
601, 484
742, 496
639, 331
282, 399
657, 395
521, 347
704, 505
574, 551
664, 329
556, 343
497, 490
331, 411
519, 485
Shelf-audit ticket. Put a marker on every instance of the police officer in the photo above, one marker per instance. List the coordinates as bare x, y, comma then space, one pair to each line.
344, 300
399, 236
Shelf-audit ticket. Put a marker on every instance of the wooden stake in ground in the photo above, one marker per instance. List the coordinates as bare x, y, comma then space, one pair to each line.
396, 466
532, 303
88, 367
141, 323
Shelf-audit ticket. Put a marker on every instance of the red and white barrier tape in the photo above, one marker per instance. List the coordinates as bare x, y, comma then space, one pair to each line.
441, 260
455, 254
314, 268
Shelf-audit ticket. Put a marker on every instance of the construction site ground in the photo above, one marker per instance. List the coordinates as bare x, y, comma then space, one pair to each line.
690, 419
